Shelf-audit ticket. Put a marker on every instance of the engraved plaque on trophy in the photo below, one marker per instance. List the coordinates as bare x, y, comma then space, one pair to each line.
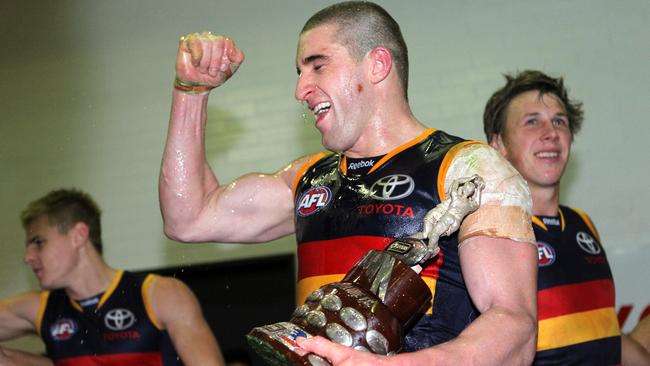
377, 300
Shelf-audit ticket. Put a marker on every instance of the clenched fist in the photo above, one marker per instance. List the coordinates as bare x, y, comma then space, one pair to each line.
205, 61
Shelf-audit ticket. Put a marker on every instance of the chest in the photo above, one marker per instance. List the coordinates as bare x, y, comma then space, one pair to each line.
120, 325
569, 256
391, 201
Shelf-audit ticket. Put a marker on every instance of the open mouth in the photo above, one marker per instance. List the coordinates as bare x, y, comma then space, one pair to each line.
547, 155
321, 108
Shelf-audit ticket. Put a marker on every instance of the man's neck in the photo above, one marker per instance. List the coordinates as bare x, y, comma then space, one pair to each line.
91, 278
385, 135
390, 122
546, 200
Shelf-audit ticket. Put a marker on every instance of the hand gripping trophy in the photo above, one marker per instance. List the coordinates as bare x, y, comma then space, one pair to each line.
377, 299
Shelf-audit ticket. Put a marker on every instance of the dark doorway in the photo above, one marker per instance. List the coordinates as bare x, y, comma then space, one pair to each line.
240, 295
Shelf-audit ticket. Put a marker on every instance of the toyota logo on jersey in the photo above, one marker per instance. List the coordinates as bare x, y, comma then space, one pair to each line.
393, 187
119, 319
587, 243
313, 200
63, 329
545, 254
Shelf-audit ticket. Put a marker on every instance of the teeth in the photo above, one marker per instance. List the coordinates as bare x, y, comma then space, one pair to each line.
547, 155
321, 107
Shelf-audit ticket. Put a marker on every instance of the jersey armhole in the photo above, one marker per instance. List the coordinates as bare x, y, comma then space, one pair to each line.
313, 159
44, 296
446, 163
587, 221
147, 303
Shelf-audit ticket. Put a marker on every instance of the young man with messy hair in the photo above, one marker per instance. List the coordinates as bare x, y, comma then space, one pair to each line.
90, 313
531, 121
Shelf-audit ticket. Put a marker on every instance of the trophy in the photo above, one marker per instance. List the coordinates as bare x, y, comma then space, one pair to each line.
377, 299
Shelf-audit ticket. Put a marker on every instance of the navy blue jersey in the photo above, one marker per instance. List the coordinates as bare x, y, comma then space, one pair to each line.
119, 330
340, 216
576, 300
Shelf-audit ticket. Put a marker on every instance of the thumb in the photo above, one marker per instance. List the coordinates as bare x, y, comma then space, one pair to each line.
325, 348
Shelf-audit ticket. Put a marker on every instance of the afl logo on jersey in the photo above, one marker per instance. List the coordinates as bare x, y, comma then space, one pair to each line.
313, 200
545, 254
63, 329
587, 243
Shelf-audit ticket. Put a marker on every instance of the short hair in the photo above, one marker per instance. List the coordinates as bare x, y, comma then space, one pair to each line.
64, 208
494, 116
363, 26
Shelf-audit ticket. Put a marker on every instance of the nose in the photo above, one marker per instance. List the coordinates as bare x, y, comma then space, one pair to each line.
304, 87
30, 255
550, 131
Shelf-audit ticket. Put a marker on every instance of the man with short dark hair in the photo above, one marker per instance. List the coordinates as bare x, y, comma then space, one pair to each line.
383, 173
531, 121
90, 313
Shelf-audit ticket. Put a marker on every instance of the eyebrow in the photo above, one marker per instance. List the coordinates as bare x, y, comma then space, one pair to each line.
310, 60
535, 114
32, 239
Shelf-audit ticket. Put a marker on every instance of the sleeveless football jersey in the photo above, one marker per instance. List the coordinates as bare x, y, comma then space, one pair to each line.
119, 330
576, 301
339, 217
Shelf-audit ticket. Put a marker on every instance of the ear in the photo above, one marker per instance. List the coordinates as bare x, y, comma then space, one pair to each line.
80, 233
497, 143
381, 64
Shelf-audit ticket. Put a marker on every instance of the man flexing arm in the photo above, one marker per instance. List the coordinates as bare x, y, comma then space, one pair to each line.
353, 75
195, 206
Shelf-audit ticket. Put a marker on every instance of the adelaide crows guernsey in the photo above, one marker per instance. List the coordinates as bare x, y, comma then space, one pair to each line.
576, 307
119, 330
340, 216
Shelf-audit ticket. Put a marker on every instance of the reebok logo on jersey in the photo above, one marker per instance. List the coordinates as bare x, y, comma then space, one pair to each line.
551, 221
313, 200
361, 164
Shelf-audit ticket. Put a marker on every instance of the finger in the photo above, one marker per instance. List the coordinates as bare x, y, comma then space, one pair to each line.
196, 49
182, 44
226, 63
336, 353
235, 57
216, 59
206, 45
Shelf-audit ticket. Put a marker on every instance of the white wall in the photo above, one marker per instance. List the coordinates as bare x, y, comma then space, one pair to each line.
86, 88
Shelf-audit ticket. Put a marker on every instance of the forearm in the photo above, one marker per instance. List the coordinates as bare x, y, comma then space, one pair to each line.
185, 178
498, 337
15, 357
18, 315
641, 333
13, 327
633, 353
201, 349
180, 314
